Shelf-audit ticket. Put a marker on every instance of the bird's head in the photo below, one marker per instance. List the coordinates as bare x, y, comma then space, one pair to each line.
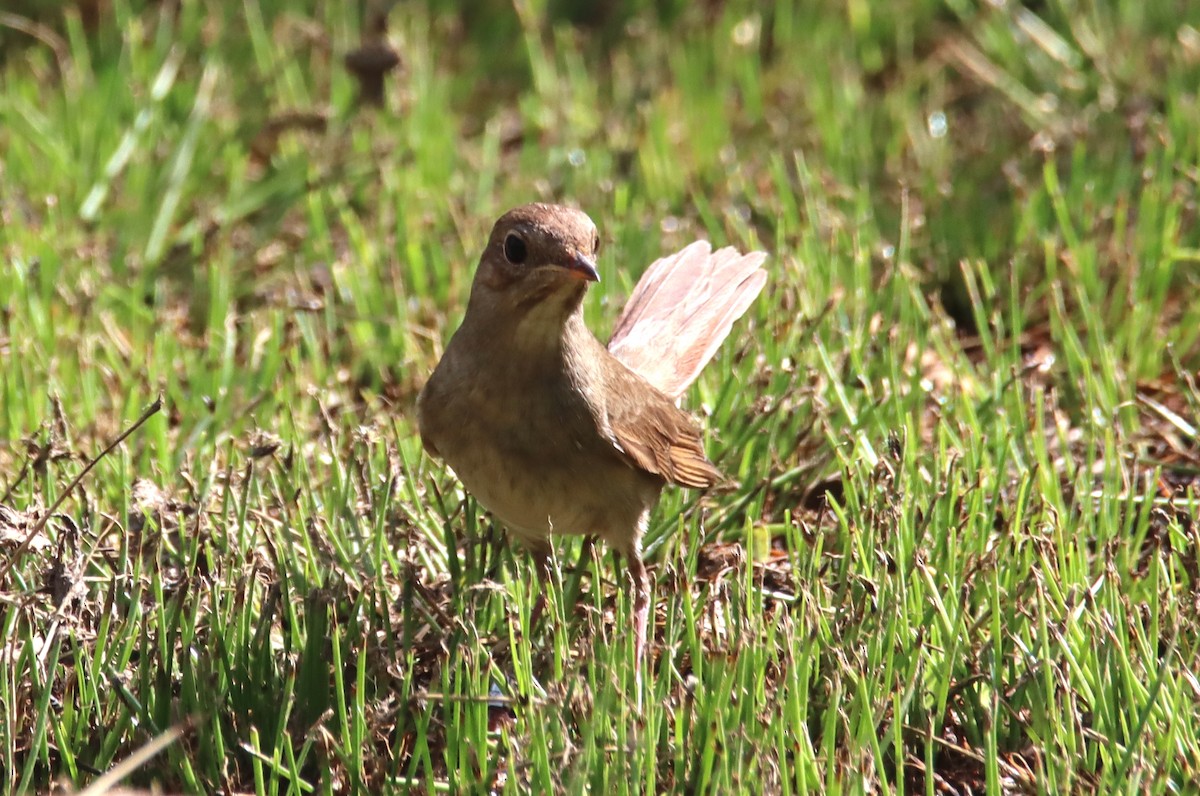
539, 257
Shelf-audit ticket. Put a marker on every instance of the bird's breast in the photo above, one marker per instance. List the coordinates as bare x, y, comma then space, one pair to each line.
530, 446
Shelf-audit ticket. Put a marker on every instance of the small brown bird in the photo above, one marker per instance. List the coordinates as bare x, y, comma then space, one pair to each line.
548, 429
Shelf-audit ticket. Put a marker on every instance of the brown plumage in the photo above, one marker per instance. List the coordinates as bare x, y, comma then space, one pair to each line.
549, 430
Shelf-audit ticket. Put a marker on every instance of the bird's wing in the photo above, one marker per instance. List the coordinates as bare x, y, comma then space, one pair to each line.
654, 434
682, 309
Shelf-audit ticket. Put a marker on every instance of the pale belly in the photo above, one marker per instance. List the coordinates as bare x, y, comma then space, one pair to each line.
555, 475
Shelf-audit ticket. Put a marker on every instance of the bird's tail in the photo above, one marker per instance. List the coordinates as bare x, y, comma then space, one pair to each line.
682, 309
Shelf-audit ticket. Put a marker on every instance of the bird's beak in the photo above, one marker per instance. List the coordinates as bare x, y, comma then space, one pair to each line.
583, 267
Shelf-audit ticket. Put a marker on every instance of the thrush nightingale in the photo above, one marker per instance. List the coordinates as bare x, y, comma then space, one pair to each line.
550, 430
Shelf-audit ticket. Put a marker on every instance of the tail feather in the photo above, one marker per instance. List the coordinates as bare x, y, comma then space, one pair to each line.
682, 309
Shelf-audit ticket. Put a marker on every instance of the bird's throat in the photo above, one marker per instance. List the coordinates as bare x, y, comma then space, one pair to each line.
546, 325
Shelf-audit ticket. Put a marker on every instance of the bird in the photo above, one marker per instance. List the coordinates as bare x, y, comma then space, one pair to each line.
550, 430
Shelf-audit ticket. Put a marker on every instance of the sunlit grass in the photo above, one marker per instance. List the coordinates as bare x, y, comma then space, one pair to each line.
960, 539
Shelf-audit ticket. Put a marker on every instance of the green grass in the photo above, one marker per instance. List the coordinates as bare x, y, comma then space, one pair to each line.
962, 548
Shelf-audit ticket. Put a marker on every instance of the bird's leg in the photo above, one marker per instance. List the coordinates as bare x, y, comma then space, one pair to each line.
571, 592
641, 605
493, 544
545, 571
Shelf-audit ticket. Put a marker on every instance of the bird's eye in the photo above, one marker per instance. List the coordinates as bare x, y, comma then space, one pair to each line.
514, 249
596, 245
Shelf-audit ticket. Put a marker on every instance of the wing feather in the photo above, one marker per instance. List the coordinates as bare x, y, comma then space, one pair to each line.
682, 309
655, 435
